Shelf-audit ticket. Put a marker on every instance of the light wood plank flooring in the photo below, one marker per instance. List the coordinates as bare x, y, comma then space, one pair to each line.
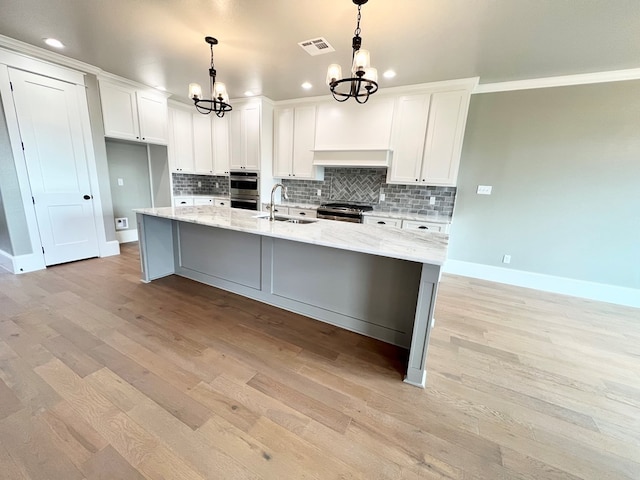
103, 377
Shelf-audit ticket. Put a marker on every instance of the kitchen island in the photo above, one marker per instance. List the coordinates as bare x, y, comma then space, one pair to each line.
380, 282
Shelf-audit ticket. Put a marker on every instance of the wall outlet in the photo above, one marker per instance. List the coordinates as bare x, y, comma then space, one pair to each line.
382, 197
319, 192
432, 200
506, 259
217, 185
199, 184
122, 223
484, 190
121, 182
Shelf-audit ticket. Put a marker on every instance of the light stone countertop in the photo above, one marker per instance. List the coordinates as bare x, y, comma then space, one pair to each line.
412, 245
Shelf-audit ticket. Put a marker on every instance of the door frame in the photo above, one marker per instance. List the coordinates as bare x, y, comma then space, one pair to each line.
35, 260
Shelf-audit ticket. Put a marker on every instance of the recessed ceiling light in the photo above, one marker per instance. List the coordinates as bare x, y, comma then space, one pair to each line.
307, 86
52, 42
389, 74
249, 93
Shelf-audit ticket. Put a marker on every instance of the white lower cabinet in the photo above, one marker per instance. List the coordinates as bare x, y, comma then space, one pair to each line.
203, 201
303, 212
389, 222
182, 201
425, 226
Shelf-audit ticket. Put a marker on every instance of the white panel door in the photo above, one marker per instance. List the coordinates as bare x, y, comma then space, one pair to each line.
51, 131
304, 134
180, 148
251, 137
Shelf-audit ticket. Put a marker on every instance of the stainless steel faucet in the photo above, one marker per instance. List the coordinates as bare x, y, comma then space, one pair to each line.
272, 217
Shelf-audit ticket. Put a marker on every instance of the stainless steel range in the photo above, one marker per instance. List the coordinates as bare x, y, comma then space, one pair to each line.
344, 212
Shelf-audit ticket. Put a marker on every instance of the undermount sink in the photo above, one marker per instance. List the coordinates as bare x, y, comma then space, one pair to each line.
279, 218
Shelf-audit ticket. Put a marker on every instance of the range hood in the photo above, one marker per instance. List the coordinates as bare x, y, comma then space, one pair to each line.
352, 158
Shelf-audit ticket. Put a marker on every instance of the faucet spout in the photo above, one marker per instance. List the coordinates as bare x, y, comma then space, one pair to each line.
272, 216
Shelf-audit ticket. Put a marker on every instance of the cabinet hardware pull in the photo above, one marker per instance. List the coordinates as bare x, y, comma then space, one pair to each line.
87, 197
382, 223
302, 213
422, 227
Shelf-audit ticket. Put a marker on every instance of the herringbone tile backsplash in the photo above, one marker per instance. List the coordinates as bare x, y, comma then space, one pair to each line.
364, 185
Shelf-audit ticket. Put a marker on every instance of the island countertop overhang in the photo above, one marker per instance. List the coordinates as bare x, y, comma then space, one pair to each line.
411, 245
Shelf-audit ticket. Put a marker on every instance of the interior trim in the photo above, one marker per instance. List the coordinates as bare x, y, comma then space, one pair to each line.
560, 81
548, 283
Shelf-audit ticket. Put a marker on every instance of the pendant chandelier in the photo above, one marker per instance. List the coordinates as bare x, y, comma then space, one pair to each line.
219, 99
364, 78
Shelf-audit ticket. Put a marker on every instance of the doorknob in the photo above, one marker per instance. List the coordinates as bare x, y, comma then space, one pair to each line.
87, 197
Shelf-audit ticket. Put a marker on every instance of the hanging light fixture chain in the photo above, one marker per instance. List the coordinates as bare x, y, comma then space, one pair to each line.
357, 30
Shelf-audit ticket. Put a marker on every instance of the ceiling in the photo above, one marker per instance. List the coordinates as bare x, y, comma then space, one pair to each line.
161, 42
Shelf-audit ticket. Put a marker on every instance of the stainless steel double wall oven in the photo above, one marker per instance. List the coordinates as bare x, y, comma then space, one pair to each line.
244, 189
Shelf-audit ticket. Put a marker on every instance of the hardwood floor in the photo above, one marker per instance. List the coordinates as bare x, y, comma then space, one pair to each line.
103, 377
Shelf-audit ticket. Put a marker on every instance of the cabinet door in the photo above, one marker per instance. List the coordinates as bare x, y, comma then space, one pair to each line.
384, 221
221, 157
303, 212
152, 113
119, 111
410, 126
180, 148
304, 134
283, 142
202, 144
251, 140
423, 226
444, 137
237, 150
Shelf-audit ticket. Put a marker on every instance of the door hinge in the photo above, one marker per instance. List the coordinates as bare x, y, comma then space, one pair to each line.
33, 200
11, 85
22, 143
43, 250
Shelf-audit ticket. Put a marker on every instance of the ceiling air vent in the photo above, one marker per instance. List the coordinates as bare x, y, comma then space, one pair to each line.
316, 46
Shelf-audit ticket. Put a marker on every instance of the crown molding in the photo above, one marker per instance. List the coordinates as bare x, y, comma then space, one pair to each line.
560, 81
43, 54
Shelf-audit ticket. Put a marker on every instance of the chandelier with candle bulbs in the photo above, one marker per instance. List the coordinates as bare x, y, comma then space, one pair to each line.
363, 81
218, 102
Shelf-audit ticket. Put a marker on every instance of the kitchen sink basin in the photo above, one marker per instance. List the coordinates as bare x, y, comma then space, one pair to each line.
279, 218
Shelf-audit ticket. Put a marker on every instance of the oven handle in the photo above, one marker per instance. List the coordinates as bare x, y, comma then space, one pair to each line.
244, 179
243, 201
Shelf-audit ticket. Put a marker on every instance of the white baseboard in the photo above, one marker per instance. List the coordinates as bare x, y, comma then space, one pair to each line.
548, 283
109, 249
126, 236
21, 263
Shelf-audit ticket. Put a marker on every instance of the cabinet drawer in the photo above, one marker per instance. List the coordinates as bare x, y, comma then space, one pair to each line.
182, 201
279, 209
220, 202
303, 212
203, 200
386, 221
423, 226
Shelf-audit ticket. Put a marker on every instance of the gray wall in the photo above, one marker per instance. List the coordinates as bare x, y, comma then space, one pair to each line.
129, 162
97, 135
160, 176
564, 164
14, 232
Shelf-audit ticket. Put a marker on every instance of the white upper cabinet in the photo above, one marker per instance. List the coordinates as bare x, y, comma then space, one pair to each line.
221, 149
427, 137
132, 114
352, 126
198, 143
409, 130
180, 148
447, 119
202, 143
294, 137
244, 124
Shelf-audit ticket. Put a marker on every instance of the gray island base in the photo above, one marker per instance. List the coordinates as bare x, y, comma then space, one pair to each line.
377, 281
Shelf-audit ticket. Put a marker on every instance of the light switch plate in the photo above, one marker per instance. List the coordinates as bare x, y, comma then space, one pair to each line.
484, 190
432, 200
382, 197
121, 182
